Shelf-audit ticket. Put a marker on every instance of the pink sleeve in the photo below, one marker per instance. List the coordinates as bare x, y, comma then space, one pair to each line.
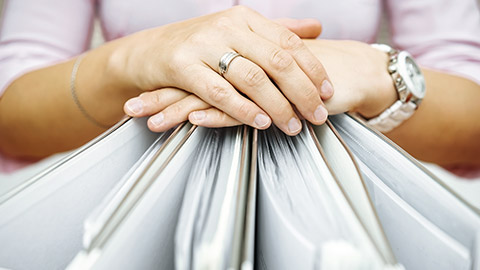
10, 165
36, 33
441, 34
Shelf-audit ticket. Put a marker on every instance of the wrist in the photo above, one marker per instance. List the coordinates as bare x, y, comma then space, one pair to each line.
381, 93
119, 70
104, 85
409, 85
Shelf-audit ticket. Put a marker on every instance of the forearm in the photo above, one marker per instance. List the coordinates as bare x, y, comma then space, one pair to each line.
446, 128
38, 115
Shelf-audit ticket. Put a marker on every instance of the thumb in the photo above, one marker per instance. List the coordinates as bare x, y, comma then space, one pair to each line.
304, 28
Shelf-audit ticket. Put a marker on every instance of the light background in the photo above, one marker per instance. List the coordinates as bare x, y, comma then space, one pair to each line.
97, 38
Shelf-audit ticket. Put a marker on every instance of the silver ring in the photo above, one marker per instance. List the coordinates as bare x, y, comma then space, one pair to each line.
225, 61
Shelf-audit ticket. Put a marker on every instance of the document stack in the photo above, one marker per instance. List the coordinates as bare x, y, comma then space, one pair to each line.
336, 196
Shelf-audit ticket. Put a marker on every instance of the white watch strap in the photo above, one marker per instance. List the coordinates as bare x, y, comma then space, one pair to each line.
393, 116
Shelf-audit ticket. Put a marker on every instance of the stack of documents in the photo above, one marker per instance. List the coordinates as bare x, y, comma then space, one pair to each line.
336, 196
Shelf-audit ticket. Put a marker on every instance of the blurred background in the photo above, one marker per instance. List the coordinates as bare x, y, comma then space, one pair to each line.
97, 38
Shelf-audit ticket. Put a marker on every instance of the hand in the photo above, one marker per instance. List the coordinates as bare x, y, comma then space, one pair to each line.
171, 106
189, 57
303, 28
359, 73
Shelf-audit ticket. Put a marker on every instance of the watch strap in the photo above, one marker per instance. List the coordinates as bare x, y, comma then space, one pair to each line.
393, 116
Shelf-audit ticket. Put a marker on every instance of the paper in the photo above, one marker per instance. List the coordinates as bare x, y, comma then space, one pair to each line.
302, 214
41, 225
414, 185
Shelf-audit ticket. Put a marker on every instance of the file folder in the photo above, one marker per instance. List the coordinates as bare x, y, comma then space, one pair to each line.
336, 196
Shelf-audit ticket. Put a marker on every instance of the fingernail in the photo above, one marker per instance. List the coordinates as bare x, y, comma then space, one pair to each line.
294, 125
261, 120
135, 105
199, 115
326, 89
157, 120
320, 114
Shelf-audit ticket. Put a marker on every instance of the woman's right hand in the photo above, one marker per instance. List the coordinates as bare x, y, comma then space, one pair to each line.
276, 71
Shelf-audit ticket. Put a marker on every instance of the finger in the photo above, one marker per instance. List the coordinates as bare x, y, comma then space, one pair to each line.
176, 113
304, 28
287, 75
152, 102
215, 90
251, 80
212, 118
290, 42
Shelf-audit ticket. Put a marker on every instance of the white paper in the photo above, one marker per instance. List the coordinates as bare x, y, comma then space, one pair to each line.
41, 227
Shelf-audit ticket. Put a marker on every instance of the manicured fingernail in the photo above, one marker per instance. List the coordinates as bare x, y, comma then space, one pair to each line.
294, 125
157, 120
320, 114
199, 115
134, 106
326, 89
261, 120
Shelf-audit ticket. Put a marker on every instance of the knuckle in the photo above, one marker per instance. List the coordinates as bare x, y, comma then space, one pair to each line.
151, 98
185, 69
283, 111
223, 23
245, 111
311, 93
290, 41
157, 98
241, 9
217, 93
254, 77
316, 68
177, 60
177, 109
197, 38
281, 60
191, 68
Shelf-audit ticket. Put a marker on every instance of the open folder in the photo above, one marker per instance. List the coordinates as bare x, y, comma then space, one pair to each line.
336, 196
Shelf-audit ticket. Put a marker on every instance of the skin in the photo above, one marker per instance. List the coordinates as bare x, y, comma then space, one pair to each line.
444, 130
124, 68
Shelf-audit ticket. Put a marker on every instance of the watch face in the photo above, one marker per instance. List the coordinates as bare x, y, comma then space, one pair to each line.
412, 75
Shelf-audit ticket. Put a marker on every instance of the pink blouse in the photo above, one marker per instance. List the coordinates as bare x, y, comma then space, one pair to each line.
441, 34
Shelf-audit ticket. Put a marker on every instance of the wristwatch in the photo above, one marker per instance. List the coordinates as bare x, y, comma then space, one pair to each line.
410, 85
